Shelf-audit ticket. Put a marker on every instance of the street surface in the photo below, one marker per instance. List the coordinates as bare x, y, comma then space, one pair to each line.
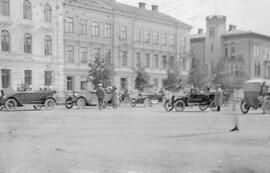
133, 140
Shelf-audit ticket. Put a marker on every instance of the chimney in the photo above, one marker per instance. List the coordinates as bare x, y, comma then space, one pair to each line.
232, 27
200, 31
142, 5
155, 8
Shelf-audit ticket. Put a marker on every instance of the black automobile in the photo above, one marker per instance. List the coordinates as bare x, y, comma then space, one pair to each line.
203, 100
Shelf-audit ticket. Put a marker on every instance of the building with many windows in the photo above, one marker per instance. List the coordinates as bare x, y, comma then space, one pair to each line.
31, 44
245, 53
124, 35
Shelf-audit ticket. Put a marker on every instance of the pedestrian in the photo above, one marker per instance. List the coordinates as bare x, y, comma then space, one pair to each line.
115, 97
264, 95
218, 98
100, 96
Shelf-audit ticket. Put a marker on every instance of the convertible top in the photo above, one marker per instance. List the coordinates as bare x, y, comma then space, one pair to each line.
259, 80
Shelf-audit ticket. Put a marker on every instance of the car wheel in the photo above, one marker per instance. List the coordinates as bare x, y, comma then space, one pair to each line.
213, 105
203, 107
133, 102
179, 106
69, 103
81, 103
11, 104
49, 104
244, 107
147, 102
2, 107
168, 105
126, 100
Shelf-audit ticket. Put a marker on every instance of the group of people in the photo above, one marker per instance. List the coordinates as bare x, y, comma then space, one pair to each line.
101, 94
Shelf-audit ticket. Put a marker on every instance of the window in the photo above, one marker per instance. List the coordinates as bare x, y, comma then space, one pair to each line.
212, 48
4, 7
232, 52
69, 25
184, 63
83, 55
155, 38
257, 68
48, 14
5, 74
163, 40
256, 50
48, 45
107, 30
124, 58
148, 61
164, 62
70, 54
108, 56
171, 40
27, 43
156, 62
69, 83
95, 29
27, 11
83, 27
47, 78
138, 58
123, 33
137, 35
96, 54
27, 78
146, 36
171, 62
226, 51
83, 83
212, 32
5, 42
183, 42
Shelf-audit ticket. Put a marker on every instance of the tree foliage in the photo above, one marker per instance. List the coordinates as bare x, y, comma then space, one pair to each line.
198, 73
173, 82
100, 71
142, 78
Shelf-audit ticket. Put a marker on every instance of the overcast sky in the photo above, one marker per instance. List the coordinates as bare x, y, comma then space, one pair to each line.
251, 15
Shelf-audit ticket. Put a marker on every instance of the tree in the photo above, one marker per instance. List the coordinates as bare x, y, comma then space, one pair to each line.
100, 71
218, 73
173, 82
142, 78
198, 73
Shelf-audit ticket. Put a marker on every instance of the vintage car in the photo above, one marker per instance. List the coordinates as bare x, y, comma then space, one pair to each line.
202, 100
86, 98
140, 98
11, 100
253, 96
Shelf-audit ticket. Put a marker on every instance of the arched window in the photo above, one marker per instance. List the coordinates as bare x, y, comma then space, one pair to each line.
27, 11
47, 14
4, 7
5, 42
48, 45
226, 50
232, 50
257, 68
27, 43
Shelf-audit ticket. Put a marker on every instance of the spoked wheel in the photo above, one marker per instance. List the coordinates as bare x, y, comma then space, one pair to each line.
133, 102
179, 106
2, 107
244, 107
49, 104
203, 107
69, 103
213, 106
81, 103
11, 104
147, 102
168, 105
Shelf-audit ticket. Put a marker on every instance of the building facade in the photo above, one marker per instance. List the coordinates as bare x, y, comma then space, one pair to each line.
244, 53
31, 44
124, 35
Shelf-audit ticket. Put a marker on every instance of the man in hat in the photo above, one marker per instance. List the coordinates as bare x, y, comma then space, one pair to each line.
100, 96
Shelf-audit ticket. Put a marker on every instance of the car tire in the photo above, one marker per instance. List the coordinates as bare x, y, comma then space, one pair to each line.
244, 108
11, 104
50, 104
168, 106
179, 106
213, 106
133, 102
81, 103
2, 107
203, 107
69, 103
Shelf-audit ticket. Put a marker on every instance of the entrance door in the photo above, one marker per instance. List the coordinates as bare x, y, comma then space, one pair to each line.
123, 84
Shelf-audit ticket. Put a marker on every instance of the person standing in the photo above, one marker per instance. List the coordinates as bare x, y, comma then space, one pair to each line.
100, 96
218, 98
115, 97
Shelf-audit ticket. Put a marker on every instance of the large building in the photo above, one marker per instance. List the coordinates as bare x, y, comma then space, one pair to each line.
126, 36
31, 44
245, 53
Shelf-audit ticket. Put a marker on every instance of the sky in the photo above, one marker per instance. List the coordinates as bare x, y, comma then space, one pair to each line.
248, 15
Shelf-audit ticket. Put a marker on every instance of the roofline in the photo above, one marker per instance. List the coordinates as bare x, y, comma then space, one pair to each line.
197, 39
248, 33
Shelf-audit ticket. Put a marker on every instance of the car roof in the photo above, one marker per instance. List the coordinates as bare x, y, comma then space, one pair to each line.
259, 80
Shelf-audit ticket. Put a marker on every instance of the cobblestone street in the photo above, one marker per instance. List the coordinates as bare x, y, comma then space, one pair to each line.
133, 140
